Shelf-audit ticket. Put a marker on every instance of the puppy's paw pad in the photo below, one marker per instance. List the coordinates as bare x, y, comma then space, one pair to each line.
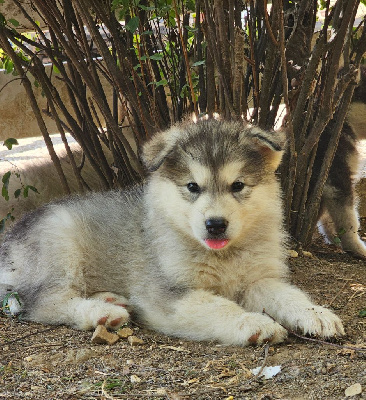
117, 322
102, 321
115, 301
112, 316
111, 298
267, 331
254, 338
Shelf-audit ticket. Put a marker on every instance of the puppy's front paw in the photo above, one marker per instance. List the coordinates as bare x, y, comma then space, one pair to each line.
262, 329
319, 321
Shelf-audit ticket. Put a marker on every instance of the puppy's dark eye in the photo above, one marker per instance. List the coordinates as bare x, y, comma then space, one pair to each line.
237, 187
193, 187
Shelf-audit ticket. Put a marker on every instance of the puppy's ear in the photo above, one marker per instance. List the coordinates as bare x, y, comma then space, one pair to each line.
155, 150
271, 145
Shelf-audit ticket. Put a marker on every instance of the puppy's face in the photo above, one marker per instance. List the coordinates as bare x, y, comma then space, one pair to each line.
214, 181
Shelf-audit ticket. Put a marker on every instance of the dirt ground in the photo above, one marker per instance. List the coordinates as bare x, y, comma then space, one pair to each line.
48, 362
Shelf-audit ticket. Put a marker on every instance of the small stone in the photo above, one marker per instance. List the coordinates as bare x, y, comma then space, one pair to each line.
293, 253
102, 336
307, 254
353, 390
135, 341
28, 359
135, 379
124, 333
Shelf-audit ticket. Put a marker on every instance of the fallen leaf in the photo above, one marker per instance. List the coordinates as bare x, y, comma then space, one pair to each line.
267, 372
353, 390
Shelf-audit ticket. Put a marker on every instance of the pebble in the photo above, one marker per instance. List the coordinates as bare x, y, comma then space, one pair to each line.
102, 336
80, 355
135, 341
124, 333
353, 390
135, 379
293, 253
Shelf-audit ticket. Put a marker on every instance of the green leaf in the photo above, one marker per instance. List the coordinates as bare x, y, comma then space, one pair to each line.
362, 313
10, 142
17, 193
163, 82
8, 65
341, 232
3, 221
5, 178
32, 188
197, 63
132, 24
147, 33
13, 22
190, 28
5, 193
157, 56
145, 8
5, 303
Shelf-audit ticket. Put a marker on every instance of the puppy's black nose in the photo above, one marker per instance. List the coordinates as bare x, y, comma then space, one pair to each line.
216, 226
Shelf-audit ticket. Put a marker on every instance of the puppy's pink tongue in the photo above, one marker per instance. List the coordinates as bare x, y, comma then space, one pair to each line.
216, 243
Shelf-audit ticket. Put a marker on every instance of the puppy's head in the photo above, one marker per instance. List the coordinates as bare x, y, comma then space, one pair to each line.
212, 178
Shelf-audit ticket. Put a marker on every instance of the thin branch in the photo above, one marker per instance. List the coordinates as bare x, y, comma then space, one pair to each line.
186, 60
268, 25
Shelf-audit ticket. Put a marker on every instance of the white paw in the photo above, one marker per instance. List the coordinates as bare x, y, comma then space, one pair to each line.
262, 329
353, 244
319, 321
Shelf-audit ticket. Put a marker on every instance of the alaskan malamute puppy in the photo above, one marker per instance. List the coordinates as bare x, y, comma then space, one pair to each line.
338, 213
197, 252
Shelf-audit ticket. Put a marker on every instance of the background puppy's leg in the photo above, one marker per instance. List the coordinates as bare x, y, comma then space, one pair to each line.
339, 198
326, 228
342, 211
201, 315
80, 313
291, 307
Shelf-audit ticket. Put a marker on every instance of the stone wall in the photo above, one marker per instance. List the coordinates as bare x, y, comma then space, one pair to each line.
16, 115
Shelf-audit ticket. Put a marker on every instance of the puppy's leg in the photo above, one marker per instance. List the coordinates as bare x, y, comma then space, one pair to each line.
78, 312
326, 228
291, 307
339, 197
342, 211
201, 315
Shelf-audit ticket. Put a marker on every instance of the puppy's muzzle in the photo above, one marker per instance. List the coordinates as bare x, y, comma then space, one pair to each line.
216, 226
